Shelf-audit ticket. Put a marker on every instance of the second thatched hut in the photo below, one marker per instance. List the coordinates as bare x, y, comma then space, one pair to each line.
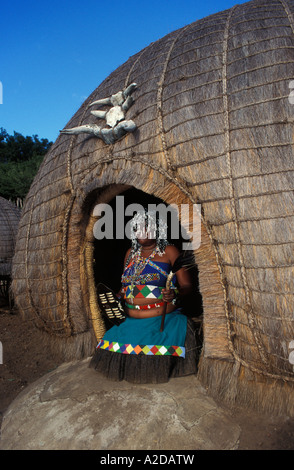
9, 219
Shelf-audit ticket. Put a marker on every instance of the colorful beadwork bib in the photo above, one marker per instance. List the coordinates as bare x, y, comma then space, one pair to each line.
144, 292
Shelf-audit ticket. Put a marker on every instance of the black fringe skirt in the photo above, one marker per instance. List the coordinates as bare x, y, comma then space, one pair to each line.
141, 369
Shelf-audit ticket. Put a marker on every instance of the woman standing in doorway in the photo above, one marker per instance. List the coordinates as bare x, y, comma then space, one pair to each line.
137, 350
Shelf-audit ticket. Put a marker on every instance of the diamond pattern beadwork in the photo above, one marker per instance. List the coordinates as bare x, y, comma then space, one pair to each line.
149, 350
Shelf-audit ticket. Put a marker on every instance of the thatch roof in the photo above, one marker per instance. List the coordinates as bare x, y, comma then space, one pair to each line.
214, 126
9, 219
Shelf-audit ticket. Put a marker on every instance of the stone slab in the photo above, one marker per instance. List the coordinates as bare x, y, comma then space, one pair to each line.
75, 408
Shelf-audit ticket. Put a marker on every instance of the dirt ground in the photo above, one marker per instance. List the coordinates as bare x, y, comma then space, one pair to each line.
25, 360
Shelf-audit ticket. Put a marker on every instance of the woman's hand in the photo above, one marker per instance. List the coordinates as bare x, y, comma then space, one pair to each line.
120, 293
168, 295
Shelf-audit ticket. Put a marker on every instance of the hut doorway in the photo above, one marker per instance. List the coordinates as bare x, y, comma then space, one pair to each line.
103, 262
108, 253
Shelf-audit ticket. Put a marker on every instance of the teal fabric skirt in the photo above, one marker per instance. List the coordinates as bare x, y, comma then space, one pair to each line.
138, 352
143, 336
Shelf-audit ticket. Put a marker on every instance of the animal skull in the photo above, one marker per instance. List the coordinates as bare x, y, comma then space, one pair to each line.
115, 117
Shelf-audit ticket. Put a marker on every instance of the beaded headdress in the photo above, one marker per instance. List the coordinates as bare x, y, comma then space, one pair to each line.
149, 222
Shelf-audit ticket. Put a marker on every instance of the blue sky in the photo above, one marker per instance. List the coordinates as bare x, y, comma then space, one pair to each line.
55, 53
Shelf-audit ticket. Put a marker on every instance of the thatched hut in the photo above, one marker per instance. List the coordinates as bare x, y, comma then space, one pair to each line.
9, 219
214, 127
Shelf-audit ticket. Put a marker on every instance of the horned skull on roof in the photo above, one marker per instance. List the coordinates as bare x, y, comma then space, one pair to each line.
115, 117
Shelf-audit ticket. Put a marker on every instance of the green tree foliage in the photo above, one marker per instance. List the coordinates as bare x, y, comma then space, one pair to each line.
20, 158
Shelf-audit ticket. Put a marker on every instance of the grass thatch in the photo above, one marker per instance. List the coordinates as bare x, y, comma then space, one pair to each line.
214, 126
9, 219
